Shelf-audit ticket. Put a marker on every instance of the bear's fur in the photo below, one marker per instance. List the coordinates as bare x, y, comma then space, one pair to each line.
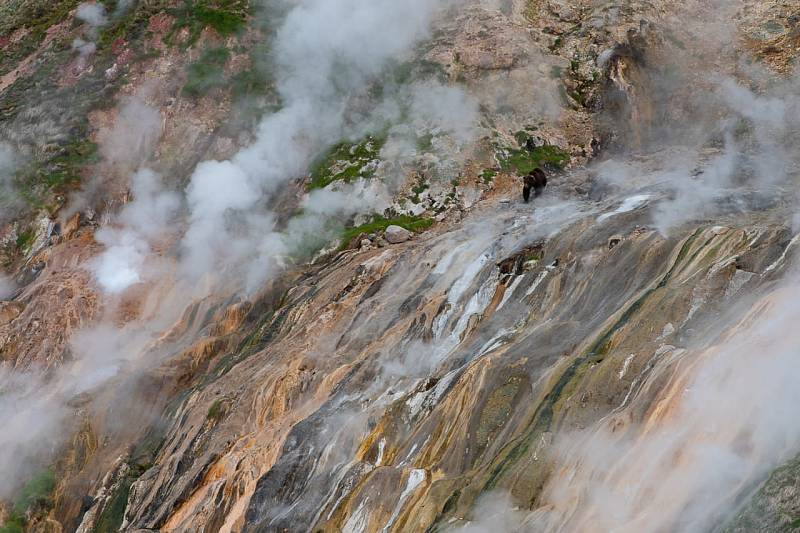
536, 180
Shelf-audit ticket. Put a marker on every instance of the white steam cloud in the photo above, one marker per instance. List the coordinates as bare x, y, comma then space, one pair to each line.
132, 139
8, 165
328, 55
726, 419
126, 146
141, 222
755, 154
92, 14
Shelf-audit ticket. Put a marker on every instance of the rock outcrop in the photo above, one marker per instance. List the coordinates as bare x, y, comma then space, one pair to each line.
397, 235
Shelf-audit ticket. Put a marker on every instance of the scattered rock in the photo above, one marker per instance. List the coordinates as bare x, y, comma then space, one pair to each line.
668, 330
739, 280
9, 311
366, 244
396, 234
71, 226
530, 265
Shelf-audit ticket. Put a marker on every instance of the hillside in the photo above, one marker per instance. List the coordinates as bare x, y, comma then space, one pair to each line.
267, 266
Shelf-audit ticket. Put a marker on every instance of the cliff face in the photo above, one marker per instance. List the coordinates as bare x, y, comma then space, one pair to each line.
205, 327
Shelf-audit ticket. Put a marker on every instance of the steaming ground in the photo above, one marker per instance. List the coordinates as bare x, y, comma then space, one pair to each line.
226, 240
722, 420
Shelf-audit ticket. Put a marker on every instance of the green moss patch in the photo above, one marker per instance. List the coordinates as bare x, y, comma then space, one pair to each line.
65, 167
488, 175
37, 493
25, 240
60, 168
141, 459
113, 513
216, 411
14, 523
33, 16
347, 162
420, 186
523, 161
226, 17
496, 411
207, 73
379, 223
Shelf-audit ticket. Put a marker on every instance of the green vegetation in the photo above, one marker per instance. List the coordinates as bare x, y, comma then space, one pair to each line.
140, 460
488, 175
346, 162
249, 82
111, 518
113, 513
523, 161
216, 411
25, 240
425, 143
226, 17
207, 73
65, 167
36, 493
572, 374
410, 71
578, 95
773, 507
379, 223
496, 410
420, 187
267, 327
15, 523
36, 181
36, 17
522, 137
131, 26
535, 255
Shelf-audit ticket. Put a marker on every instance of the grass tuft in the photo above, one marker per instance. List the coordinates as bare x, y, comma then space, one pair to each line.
216, 411
488, 175
36, 493
207, 73
522, 161
379, 223
25, 240
346, 162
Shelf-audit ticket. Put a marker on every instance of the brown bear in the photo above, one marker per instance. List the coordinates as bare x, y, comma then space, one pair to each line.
536, 180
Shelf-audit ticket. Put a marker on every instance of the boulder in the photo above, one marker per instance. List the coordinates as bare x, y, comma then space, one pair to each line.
396, 234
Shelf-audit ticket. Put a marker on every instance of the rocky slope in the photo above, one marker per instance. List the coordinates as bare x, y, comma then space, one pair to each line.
178, 355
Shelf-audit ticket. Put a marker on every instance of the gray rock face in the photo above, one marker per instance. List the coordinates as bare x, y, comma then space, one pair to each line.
396, 234
775, 507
